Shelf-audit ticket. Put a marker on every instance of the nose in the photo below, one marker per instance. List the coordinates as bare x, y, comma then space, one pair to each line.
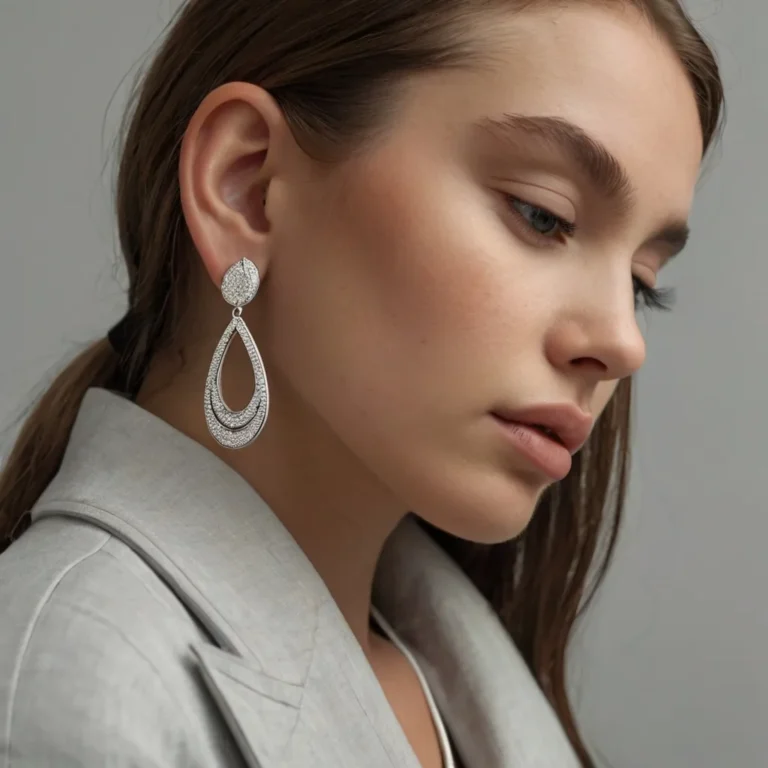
600, 339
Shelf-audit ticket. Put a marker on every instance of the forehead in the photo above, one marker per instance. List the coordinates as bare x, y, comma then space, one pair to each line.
605, 70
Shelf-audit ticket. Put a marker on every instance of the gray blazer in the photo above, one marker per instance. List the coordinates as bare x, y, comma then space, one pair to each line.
158, 614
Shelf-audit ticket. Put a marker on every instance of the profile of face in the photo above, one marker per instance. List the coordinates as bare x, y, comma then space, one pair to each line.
484, 253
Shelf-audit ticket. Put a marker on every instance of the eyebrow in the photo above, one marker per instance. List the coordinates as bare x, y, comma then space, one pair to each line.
604, 171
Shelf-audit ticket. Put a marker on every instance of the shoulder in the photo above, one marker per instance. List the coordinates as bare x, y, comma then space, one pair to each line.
95, 657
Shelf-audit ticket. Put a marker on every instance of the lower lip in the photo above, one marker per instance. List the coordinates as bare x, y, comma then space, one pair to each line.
545, 454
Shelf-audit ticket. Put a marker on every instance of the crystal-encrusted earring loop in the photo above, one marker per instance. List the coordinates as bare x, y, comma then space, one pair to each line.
237, 429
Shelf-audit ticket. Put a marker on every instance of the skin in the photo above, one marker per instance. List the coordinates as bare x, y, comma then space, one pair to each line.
403, 299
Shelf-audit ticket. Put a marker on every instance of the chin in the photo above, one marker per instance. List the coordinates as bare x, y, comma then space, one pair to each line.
500, 512
488, 530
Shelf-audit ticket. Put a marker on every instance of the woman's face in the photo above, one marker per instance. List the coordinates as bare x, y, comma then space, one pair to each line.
422, 285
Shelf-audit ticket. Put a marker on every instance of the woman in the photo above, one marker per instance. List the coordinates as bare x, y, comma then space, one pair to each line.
438, 220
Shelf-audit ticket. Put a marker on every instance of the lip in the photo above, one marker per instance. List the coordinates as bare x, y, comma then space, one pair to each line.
567, 421
544, 453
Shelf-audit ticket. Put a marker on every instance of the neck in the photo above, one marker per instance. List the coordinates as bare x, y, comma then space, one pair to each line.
339, 513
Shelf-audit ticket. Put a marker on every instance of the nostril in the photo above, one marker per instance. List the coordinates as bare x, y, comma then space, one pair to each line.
590, 362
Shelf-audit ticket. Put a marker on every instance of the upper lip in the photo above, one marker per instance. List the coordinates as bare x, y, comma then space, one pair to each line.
567, 421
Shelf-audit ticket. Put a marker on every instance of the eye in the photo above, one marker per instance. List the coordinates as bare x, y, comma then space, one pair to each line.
539, 221
653, 298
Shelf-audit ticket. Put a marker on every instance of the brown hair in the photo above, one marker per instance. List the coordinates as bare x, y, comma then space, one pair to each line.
331, 66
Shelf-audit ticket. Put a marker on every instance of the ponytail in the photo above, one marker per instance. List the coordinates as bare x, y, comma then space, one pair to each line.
39, 447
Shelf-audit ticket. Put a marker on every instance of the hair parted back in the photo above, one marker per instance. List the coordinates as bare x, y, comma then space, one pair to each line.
333, 67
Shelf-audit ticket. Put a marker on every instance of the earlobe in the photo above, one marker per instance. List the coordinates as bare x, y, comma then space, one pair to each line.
226, 164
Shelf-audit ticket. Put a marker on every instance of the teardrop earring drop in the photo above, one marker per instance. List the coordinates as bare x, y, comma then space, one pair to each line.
237, 429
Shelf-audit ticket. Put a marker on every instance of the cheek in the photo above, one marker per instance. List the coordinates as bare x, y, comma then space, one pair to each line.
385, 297
435, 265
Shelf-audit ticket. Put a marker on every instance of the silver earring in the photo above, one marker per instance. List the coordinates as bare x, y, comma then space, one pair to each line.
236, 429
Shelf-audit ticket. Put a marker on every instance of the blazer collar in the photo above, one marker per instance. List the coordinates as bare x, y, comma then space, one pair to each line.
288, 674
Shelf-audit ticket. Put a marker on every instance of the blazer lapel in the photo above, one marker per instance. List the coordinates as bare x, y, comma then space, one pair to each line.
261, 711
288, 675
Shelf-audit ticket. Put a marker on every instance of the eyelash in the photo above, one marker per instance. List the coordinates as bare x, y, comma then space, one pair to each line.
662, 299
653, 298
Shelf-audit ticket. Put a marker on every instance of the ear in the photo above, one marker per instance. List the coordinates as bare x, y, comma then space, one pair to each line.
229, 157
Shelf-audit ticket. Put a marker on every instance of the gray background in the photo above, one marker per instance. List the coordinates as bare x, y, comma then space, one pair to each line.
671, 668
